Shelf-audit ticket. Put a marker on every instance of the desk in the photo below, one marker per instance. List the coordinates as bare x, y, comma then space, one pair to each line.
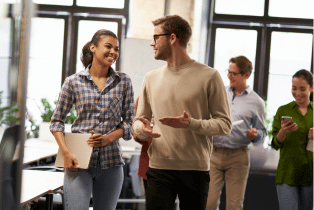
36, 184
35, 150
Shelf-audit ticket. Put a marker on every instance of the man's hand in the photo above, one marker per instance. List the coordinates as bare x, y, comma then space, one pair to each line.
148, 130
140, 140
251, 134
97, 140
177, 122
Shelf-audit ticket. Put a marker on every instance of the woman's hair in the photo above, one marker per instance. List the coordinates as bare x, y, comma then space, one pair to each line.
307, 76
87, 55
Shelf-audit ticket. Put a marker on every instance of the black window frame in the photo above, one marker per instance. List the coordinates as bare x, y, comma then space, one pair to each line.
264, 25
72, 15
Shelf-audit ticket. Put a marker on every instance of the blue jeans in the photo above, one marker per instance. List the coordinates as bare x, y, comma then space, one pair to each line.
105, 185
295, 197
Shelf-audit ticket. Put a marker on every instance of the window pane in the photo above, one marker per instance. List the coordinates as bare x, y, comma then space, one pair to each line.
240, 7
54, 2
117, 4
45, 63
231, 43
5, 57
290, 52
291, 8
86, 30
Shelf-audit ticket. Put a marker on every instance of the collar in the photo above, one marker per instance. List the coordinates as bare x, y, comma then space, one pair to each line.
248, 90
293, 104
86, 73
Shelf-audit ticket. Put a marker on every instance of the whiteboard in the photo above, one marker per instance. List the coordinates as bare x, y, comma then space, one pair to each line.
138, 59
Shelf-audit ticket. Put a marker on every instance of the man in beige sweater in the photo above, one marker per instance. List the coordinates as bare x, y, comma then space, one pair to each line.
190, 106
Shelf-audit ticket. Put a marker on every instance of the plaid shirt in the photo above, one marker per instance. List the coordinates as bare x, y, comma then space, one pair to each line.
101, 111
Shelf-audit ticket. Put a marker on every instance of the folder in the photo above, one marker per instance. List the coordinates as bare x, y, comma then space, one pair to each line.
76, 144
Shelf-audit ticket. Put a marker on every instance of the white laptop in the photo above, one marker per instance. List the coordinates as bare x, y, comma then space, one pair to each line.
76, 143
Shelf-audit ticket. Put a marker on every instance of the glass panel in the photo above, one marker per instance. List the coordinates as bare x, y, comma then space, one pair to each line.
290, 52
45, 64
291, 8
5, 48
240, 7
117, 4
86, 30
231, 43
54, 2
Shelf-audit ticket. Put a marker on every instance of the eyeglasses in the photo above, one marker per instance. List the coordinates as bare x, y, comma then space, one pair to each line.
157, 35
232, 74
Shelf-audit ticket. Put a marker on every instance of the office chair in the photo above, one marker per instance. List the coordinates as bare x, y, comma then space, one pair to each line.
8, 145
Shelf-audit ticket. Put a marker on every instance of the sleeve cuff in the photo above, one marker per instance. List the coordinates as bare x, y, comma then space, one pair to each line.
194, 124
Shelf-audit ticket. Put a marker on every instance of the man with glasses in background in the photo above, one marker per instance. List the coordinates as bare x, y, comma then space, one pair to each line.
190, 106
230, 160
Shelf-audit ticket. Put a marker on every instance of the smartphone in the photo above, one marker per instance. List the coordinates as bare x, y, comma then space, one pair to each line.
287, 119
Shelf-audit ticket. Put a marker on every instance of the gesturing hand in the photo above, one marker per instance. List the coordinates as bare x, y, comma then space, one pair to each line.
97, 140
177, 122
251, 134
148, 130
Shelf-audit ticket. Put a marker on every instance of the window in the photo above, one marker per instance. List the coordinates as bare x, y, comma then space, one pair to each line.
291, 8
240, 7
117, 4
54, 2
277, 38
289, 53
45, 63
5, 57
231, 43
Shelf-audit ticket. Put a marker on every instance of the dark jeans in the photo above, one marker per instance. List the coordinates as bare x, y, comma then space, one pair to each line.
163, 186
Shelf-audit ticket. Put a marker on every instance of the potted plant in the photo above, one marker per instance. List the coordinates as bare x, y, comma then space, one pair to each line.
8, 115
47, 112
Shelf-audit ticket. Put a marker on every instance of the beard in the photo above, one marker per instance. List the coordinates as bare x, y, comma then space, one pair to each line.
163, 53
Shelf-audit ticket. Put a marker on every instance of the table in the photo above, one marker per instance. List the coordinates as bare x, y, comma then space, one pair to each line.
37, 183
35, 150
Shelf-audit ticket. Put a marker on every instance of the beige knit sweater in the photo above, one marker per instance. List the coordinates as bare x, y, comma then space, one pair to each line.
167, 92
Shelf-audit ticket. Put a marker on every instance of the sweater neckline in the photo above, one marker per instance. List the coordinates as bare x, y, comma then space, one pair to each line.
177, 68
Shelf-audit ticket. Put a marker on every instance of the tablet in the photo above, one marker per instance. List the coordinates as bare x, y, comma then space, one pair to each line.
77, 144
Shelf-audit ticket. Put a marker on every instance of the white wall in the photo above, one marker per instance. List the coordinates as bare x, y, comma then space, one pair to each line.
138, 59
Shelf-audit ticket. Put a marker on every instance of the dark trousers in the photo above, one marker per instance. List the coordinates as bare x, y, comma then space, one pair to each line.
163, 186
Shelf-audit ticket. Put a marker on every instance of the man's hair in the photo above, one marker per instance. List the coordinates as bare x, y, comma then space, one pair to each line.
243, 63
176, 25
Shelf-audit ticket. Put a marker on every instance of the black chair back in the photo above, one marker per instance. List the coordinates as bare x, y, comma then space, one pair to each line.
8, 145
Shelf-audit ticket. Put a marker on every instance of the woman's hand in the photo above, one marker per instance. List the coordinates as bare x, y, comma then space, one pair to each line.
70, 162
286, 127
311, 133
97, 140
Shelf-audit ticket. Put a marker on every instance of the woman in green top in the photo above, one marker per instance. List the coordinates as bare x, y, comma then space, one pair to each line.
294, 178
